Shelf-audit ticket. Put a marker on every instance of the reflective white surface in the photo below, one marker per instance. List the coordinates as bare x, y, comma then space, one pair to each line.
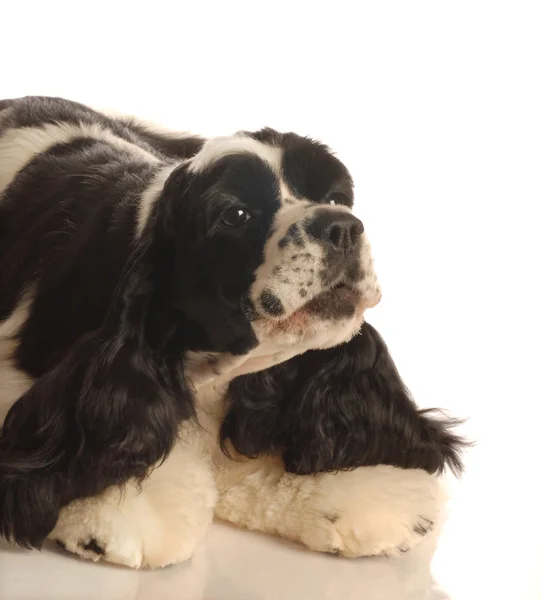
231, 565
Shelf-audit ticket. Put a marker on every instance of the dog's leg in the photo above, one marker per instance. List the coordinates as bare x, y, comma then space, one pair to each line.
368, 511
155, 524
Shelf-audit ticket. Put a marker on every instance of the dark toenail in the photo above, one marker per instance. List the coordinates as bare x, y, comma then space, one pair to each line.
423, 528
93, 546
332, 518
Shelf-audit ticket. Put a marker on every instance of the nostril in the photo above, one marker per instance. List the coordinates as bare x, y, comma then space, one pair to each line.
344, 237
336, 236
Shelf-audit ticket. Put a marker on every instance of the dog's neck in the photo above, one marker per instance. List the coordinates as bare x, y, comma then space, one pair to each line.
218, 369
211, 373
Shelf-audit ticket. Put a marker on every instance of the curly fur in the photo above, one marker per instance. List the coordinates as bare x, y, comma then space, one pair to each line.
340, 408
66, 437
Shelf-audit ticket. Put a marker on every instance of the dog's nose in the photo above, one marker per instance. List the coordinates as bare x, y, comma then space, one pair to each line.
339, 230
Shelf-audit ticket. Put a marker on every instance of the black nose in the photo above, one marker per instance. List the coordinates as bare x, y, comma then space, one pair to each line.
339, 230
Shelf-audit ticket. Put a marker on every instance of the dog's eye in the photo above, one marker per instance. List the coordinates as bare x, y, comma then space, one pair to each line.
235, 217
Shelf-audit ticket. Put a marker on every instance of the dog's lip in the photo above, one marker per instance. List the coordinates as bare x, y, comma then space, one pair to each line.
340, 285
340, 292
337, 291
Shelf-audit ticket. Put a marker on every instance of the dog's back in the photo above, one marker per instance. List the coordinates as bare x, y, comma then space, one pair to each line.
71, 183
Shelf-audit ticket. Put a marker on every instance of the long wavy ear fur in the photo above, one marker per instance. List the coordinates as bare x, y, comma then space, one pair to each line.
107, 413
339, 409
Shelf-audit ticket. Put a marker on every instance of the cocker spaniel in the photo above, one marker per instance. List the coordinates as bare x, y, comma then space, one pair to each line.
182, 337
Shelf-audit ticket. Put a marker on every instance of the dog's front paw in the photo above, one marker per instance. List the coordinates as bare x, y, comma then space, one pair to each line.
125, 529
372, 511
95, 529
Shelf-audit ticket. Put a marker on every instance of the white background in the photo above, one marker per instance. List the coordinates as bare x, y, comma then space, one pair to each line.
435, 107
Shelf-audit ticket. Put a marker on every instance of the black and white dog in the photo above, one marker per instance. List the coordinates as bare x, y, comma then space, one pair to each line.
179, 339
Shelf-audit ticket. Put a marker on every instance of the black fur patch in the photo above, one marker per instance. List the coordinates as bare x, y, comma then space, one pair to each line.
271, 303
309, 169
294, 234
334, 305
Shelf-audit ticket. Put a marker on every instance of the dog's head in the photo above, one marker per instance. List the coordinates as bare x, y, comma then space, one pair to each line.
265, 253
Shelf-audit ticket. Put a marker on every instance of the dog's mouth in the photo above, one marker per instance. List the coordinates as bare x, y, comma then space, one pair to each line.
339, 301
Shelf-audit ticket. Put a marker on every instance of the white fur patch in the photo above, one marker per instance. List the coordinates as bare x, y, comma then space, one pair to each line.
369, 285
286, 270
151, 195
291, 272
13, 382
11, 326
298, 265
149, 126
368, 511
216, 148
19, 145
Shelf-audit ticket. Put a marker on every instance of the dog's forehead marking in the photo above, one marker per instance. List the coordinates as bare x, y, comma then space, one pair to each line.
286, 195
216, 148
150, 196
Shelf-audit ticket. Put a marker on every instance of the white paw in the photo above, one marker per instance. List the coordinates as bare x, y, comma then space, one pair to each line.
126, 529
371, 511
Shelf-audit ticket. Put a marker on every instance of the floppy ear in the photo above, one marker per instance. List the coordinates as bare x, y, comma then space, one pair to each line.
108, 412
337, 409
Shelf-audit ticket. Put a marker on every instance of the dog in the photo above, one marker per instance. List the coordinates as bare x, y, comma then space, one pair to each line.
182, 338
